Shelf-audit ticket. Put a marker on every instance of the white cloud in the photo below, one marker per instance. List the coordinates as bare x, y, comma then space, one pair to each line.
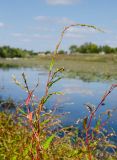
61, 2
2, 24
54, 20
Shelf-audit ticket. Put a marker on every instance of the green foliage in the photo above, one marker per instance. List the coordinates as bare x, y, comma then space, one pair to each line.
61, 52
13, 139
47, 52
16, 142
48, 141
8, 52
73, 49
51, 64
88, 48
92, 48
107, 49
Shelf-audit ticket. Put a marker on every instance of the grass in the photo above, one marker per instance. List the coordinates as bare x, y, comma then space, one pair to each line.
87, 67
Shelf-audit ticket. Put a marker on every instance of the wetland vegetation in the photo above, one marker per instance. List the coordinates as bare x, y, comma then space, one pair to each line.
36, 132
87, 67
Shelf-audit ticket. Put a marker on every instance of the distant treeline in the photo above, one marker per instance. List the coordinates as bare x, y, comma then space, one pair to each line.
9, 52
92, 48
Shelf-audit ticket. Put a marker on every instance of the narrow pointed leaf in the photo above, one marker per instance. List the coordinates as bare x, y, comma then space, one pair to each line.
51, 64
52, 82
48, 142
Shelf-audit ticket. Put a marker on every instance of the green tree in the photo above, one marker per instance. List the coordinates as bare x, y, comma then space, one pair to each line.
61, 52
73, 49
47, 52
83, 48
107, 49
89, 48
9, 52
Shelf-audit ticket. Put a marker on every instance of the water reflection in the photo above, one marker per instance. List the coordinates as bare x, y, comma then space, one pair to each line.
76, 93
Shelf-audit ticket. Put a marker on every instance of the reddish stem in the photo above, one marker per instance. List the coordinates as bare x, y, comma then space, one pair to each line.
92, 114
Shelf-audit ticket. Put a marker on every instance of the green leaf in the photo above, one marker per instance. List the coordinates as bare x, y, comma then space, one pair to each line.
98, 123
48, 141
58, 93
51, 64
59, 70
14, 157
26, 151
45, 122
53, 93
21, 111
52, 82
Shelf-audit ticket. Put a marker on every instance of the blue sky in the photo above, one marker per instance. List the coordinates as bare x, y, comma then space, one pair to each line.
36, 24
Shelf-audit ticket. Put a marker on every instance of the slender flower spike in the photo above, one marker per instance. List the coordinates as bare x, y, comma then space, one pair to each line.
91, 108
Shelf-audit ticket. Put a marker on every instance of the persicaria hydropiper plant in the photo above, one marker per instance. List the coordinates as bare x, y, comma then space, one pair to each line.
44, 140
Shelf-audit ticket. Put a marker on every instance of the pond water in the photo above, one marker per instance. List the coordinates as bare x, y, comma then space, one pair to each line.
76, 93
